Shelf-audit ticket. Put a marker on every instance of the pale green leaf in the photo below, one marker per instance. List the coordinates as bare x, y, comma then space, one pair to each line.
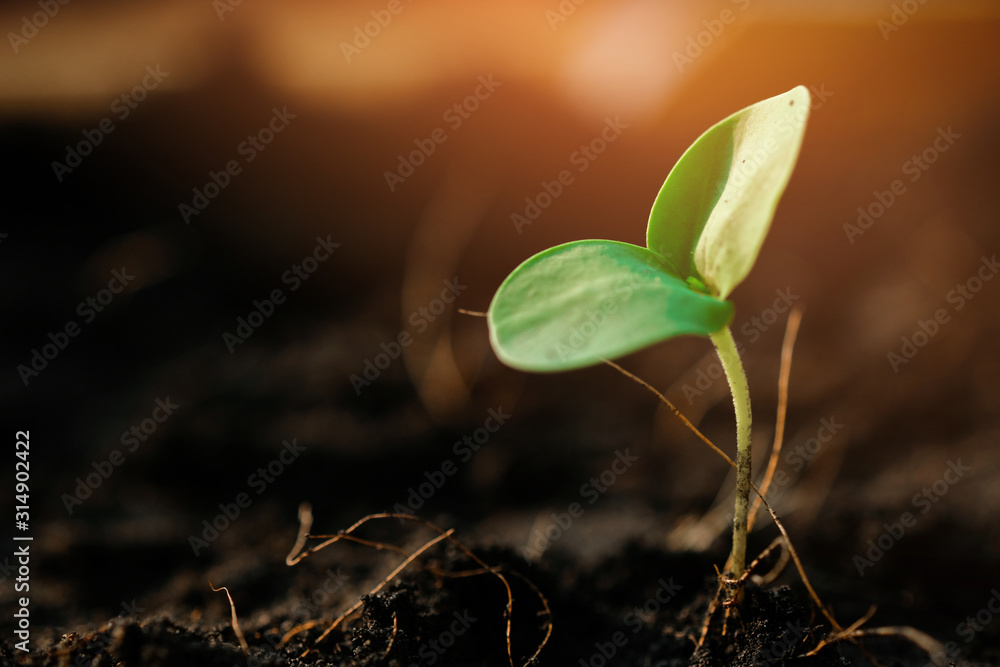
578, 303
715, 207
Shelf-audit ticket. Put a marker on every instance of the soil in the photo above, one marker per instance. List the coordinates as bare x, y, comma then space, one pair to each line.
117, 582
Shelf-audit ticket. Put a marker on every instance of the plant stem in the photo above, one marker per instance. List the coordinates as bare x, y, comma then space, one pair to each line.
730, 357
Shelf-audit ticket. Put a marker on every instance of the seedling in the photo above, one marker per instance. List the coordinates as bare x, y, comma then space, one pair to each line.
585, 302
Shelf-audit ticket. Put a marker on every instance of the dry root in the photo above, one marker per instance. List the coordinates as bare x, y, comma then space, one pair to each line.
300, 551
730, 589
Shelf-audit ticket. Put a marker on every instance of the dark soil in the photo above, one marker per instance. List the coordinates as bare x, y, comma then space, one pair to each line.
117, 582
641, 606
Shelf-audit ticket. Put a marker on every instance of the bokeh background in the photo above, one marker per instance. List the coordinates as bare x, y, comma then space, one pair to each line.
903, 126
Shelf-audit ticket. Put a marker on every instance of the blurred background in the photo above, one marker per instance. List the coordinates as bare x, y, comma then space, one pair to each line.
383, 164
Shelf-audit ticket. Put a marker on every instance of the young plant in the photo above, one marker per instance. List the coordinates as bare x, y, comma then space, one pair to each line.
580, 303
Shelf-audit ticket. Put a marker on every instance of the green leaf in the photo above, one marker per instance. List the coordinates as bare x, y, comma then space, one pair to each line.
578, 303
713, 211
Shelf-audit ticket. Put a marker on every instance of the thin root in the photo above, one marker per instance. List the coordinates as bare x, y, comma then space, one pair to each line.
392, 639
785, 370
298, 629
673, 408
236, 621
920, 639
305, 524
301, 551
392, 575
764, 579
853, 632
791, 553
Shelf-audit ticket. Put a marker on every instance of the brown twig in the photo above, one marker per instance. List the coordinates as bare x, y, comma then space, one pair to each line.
791, 550
236, 621
385, 582
305, 524
791, 332
775, 571
301, 552
798, 562
673, 409
392, 639
920, 639
298, 629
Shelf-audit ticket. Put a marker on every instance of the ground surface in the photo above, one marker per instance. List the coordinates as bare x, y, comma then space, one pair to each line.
119, 581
